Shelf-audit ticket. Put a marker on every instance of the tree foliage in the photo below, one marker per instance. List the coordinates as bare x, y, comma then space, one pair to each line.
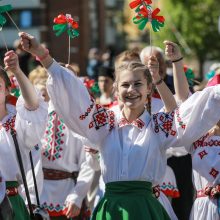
197, 23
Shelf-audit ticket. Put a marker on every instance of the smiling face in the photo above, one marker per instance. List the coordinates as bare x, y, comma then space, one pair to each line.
132, 89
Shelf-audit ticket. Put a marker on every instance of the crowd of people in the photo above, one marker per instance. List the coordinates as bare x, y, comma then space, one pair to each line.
127, 142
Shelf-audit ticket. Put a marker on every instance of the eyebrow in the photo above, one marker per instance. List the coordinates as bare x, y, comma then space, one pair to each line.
132, 81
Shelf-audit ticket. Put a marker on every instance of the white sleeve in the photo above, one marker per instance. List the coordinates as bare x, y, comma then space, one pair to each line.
2, 188
84, 181
77, 108
30, 125
190, 121
93, 161
176, 151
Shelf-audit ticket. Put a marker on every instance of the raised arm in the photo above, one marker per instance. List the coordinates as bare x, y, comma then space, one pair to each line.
31, 114
165, 93
30, 44
70, 97
27, 89
181, 85
194, 118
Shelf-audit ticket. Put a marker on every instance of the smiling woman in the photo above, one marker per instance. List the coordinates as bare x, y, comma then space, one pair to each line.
131, 142
133, 84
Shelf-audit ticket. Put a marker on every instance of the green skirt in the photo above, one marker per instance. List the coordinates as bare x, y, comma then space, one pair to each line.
129, 200
18, 205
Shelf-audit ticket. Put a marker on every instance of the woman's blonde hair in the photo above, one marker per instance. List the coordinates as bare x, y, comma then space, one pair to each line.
126, 56
39, 74
133, 66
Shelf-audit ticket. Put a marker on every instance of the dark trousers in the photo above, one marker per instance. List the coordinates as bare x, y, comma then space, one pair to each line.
182, 167
6, 211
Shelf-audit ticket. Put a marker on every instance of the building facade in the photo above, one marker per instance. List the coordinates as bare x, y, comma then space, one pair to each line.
98, 22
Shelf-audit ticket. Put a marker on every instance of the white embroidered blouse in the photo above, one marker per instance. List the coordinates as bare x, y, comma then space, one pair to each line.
2, 188
29, 126
62, 150
206, 162
133, 151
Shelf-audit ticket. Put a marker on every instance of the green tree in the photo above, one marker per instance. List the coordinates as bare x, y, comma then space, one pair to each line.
193, 23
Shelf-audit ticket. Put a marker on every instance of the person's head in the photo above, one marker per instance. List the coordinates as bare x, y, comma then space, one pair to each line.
38, 78
94, 53
126, 56
105, 79
158, 53
5, 85
133, 84
73, 67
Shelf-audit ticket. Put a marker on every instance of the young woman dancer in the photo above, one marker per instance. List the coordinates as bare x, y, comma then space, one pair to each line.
132, 144
27, 118
67, 177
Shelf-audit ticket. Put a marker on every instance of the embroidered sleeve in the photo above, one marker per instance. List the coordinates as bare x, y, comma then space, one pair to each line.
78, 109
190, 121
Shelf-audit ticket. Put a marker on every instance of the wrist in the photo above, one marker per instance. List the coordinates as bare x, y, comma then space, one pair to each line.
177, 60
16, 71
158, 82
42, 54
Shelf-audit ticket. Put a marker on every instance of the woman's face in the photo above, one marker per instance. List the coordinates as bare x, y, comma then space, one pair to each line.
132, 89
3, 91
105, 84
43, 90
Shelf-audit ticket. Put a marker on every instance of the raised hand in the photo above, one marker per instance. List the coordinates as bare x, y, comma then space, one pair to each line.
31, 45
172, 51
11, 62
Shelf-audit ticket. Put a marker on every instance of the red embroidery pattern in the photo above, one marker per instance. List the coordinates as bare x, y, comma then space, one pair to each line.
170, 190
53, 207
111, 119
54, 137
202, 143
214, 172
156, 191
138, 123
164, 122
10, 123
179, 119
82, 117
202, 154
102, 117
